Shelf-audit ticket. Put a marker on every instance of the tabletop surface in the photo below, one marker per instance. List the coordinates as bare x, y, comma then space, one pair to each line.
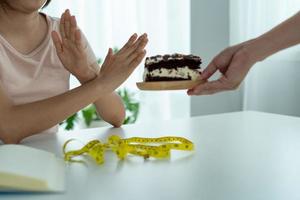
245, 155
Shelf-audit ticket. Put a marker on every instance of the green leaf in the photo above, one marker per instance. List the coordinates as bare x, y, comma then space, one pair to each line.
131, 105
127, 120
99, 61
70, 122
115, 50
90, 114
87, 116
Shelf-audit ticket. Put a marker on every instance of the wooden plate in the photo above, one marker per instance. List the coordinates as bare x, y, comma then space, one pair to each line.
168, 85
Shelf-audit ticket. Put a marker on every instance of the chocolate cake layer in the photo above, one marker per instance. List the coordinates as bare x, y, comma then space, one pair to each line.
155, 59
173, 64
157, 79
172, 61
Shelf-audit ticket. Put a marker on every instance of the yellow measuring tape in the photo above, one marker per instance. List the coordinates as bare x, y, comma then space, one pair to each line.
146, 147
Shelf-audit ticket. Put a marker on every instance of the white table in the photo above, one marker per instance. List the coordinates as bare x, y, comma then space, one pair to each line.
239, 156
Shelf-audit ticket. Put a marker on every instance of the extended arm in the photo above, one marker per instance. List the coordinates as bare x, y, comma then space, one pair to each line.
236, 61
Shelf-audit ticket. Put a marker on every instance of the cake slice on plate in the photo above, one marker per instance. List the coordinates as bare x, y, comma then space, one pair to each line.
176, 67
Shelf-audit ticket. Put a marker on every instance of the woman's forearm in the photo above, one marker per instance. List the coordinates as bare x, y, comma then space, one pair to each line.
111, 109
285, 35
20, 121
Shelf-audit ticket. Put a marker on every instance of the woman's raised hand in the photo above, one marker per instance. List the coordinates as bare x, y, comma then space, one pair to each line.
70, 49
119, 66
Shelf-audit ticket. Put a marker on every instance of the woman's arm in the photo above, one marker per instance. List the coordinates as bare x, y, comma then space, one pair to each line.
111, 109
70, 51
285, 35
20, 121
236, 61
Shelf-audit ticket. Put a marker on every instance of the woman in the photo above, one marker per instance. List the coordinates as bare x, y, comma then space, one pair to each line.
35, 70
236, 61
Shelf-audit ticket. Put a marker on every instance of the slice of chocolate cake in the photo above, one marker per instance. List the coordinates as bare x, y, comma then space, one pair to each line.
176, 67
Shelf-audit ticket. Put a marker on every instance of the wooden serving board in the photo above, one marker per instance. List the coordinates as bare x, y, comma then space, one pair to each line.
168, 85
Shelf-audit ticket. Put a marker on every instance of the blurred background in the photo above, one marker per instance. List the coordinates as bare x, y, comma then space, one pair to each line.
201, 27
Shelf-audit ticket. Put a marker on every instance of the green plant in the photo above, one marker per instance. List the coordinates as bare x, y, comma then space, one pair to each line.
89, 114
132, 107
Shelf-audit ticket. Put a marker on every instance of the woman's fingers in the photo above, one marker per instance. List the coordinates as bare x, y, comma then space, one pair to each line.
130, 42
108, 58
73, 28
207, 88
78, 41
137, 44
209, 71
67, 24
141, 40
62, 26
133, 43
123, 61
138, 50
57, 42
143, 43
71, 35
138, 59
222, 84
233, 74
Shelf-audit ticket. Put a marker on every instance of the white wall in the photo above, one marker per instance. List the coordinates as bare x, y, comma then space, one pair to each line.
274, 84
210, 24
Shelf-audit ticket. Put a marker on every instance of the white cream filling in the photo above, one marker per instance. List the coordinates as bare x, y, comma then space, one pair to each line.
182, 72
159, 59
156, 60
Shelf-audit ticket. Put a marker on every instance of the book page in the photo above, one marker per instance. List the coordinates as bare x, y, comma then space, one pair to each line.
26, 168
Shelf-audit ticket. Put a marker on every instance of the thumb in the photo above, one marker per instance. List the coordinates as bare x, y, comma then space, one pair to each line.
209, 71
108, 57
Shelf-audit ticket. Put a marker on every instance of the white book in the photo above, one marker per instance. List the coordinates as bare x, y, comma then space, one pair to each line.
27, 169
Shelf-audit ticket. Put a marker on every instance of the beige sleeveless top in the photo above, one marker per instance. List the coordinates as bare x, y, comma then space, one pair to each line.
37, 75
